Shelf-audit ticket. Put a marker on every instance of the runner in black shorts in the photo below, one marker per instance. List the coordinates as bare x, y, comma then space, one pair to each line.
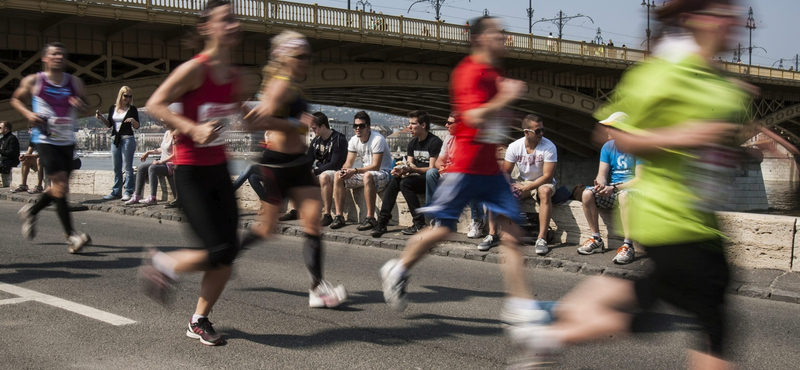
286, 168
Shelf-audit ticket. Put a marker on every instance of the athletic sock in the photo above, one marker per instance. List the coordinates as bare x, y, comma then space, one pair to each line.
196, 318
312, 251
44, 200
515, 303
165, 265
597, 236
63, 214
628, 242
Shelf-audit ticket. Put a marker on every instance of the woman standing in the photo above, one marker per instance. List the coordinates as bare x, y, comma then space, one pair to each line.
208, 86
123, 118
286, 169
154, 170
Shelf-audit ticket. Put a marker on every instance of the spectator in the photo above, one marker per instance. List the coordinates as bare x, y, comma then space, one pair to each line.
253, 174
624, 170
409, 178
329, 150
445, 158
9, 152
154, 170
29, 161
376, 158
123, 118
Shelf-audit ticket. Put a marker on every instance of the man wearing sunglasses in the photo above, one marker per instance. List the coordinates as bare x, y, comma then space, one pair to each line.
376, 158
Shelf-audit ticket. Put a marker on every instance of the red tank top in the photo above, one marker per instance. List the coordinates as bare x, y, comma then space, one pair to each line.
206, 103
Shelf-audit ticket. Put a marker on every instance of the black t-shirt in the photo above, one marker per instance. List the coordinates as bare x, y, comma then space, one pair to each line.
422, 151
328, 154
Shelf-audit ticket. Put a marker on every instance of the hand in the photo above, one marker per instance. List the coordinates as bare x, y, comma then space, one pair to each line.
513, 89
516, 190
204, 133
397, 172
598, 186
156, 162
607, 191
77, 102
34, 119
144, 156
98, 115
22, 157
347, 173
129, 120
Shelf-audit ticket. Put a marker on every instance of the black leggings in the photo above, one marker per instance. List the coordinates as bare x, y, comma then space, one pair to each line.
208, 200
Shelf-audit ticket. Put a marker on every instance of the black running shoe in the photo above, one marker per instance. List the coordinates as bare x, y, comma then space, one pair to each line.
411, 230
289, 216
326, 220
338, 222
368, 224
379, 230
203, 330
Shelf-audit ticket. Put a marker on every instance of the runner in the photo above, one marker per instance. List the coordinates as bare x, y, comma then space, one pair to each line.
57, 98
480, 93
208, 88
286, 169
680, 112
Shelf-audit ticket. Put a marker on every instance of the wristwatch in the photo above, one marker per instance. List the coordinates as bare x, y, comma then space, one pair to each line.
615, 188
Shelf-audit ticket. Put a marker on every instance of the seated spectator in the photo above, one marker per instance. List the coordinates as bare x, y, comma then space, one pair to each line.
252, 174
9, 152
409, 178
329, 150
624, 170
536, 158
376, 158
29, 161
443, 160
151, 171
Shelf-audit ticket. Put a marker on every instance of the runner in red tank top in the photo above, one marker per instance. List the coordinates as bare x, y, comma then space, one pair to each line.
207, 88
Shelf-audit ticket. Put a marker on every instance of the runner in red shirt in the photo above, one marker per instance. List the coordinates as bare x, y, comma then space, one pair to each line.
481, 93
208, 88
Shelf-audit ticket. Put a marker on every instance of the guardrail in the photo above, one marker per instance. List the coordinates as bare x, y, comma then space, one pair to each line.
322, 17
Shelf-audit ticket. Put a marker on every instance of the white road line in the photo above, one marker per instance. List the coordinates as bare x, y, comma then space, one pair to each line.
13, 300
27, 294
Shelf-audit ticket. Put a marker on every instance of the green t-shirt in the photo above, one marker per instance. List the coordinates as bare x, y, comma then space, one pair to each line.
661, 94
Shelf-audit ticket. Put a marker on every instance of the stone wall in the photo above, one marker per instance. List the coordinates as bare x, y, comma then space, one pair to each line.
779, 169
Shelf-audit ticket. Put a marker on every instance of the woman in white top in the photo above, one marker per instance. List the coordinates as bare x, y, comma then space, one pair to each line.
154, 170
123, 118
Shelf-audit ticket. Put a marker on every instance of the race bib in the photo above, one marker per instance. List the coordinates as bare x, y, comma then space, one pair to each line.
495, 129
60, 129
224, 114
711, 175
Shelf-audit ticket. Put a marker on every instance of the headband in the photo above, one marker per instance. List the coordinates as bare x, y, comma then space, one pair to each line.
289, 45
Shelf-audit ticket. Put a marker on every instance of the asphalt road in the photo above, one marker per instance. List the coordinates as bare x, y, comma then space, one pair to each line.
451, 323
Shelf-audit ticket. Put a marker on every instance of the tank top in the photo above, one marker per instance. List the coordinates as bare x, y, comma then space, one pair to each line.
297, 106
51, 103
207, 103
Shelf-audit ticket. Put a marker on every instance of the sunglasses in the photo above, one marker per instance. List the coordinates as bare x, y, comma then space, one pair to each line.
304, 57
538, 131
448, 123
127, 96
360, 126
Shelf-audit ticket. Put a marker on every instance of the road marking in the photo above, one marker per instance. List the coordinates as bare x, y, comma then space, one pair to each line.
31, 295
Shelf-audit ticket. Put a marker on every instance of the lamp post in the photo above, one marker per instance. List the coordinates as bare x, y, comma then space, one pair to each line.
437, 6
530, 16
364, 5
751, 25
561, 20
648, 4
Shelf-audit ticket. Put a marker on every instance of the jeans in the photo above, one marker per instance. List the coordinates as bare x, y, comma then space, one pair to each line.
410, 187
123, 155
152, 172
432, 182
252, 174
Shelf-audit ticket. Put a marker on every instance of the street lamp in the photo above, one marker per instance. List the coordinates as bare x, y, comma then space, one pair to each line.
530, 16
751, 25
364, 5
648, 4
437, 6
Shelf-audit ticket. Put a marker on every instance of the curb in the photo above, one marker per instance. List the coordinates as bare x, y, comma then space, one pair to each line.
447, 249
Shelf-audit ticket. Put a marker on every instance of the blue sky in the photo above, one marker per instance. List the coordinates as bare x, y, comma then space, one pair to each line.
623, 21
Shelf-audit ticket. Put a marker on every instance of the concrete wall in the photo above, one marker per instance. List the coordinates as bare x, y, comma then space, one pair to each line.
780, 169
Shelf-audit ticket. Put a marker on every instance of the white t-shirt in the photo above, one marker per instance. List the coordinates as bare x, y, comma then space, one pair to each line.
118, 118
531, 166
166, 144
376, 144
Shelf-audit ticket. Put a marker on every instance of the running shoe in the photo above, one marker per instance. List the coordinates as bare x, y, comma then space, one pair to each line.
111, 196
379, 230
338, 222
524, 327
77, 240
20, 189
134, 199
150, 200
289, 216
204, 331
172, 204
489, 242
36, 190
326, 295
591, 245
126, 198
368, 224
155, 284
326, 220
411, 230
28, 221
394, 287
625, 255
541, 247
475, 230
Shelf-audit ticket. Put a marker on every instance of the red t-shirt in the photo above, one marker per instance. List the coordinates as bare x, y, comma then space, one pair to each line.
473, 84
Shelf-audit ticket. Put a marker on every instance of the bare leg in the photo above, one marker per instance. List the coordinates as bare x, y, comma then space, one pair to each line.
590, 211
267, 220
307, 202
624, 213
211, 288
419, 245
338, 193
515, 260
705, 361
370, 192
545, 209
24, 170
326, 189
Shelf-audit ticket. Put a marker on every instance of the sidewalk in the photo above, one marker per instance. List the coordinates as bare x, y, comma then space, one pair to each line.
750, 282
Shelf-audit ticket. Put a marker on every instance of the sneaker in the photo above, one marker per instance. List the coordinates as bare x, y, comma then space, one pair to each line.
489, 242
155, 284
326, 295
625, 255
379, 230
524, 328
36, 190
541, 247
289, 216
394, 288
20, 189
338, 222
475, 230
411, 230
28, 221
172, 204
134, 199
326, 220
77, 240
368, 224
203, 330
111, 197
150, 200
126, 198
591, 245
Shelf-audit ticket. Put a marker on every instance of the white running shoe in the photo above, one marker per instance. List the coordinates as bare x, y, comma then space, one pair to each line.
394, 287
541, 247
591, 245
28, 221
326, 295
475, 230
77, 240
625, 255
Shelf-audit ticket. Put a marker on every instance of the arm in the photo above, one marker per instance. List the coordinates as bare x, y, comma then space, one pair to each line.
508, 91
337, 157
79, 101
262, 117
165, 159
685, 135
601, 180
376, 163
24, 92
134, 118
548, 171
99, 116
637, 176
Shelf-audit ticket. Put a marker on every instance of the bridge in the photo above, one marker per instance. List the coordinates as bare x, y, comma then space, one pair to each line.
363, 60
